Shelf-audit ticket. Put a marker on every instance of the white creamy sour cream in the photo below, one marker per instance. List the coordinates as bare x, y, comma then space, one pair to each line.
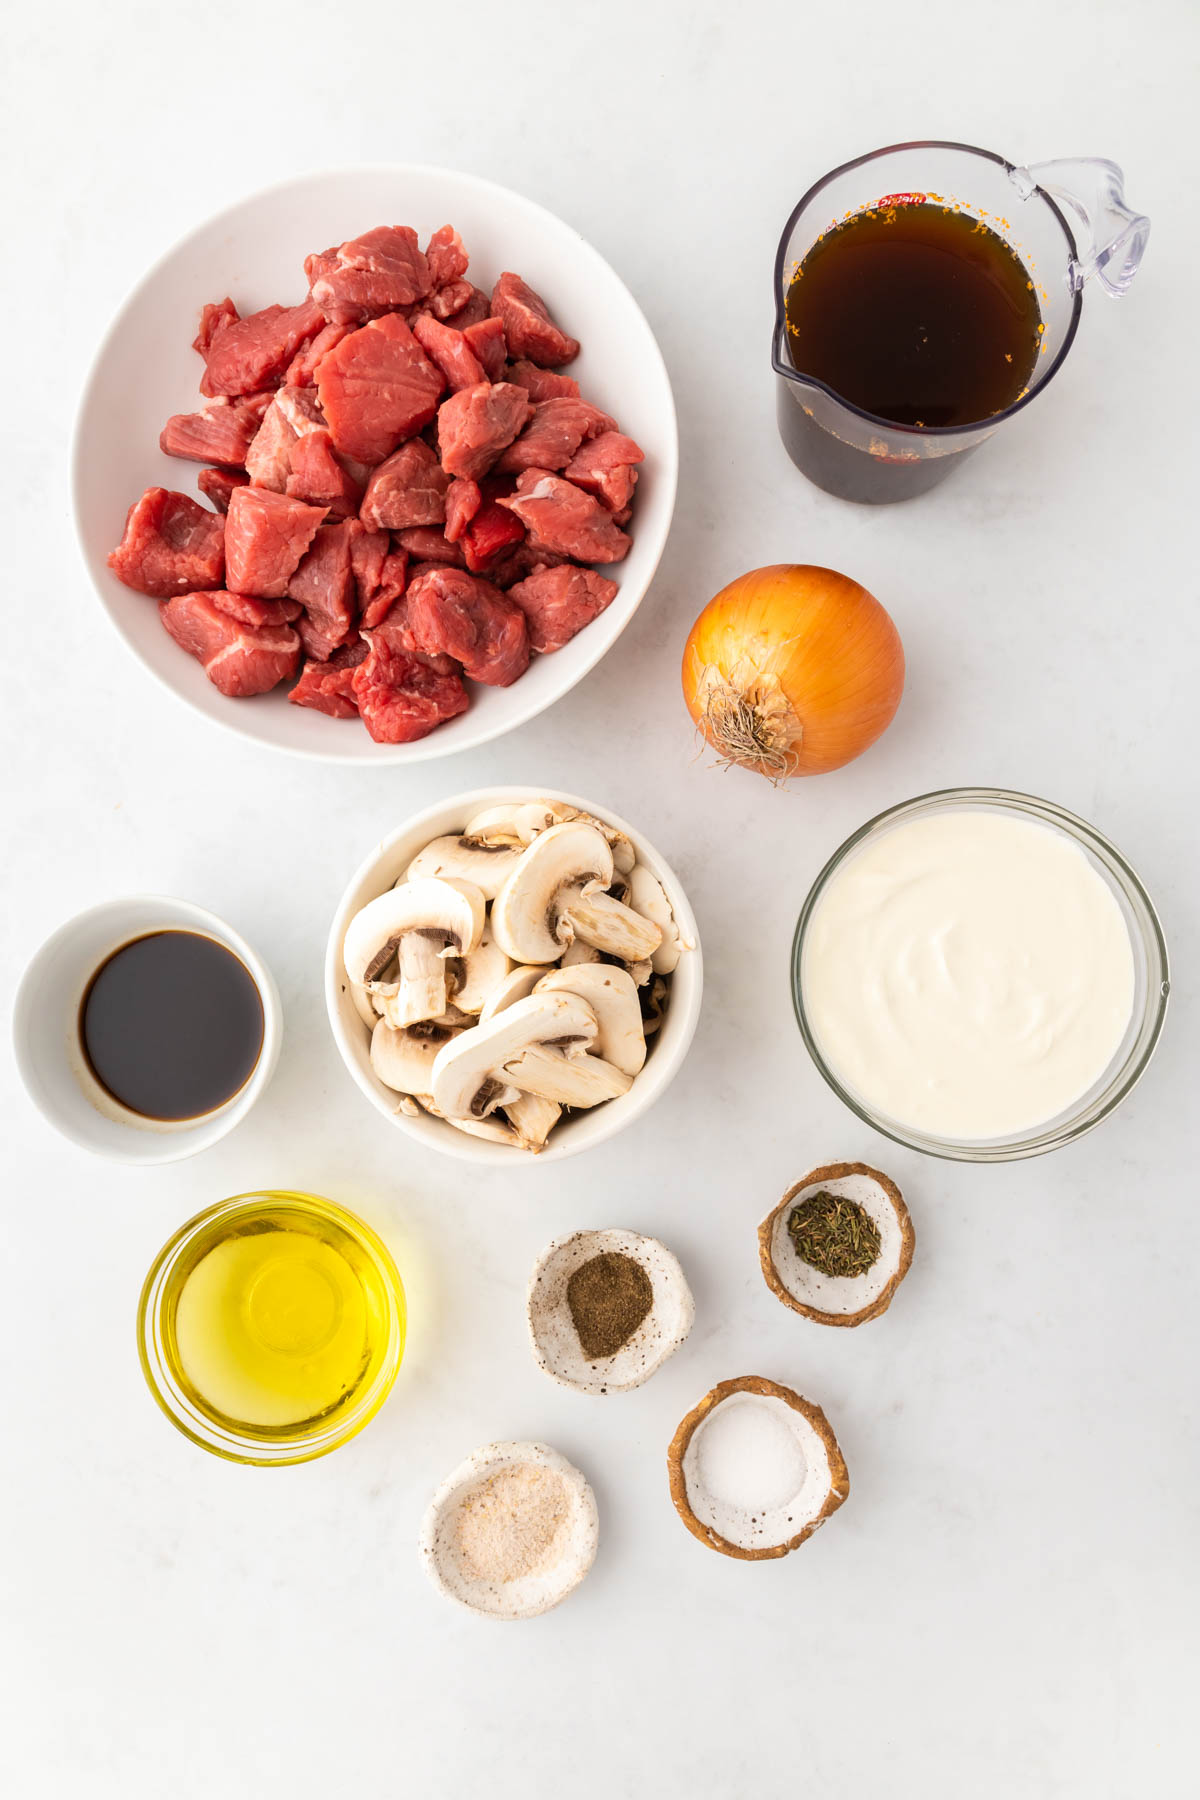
968, 974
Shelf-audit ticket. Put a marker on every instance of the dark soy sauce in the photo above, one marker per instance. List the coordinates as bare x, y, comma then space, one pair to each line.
172, 1025
916, 314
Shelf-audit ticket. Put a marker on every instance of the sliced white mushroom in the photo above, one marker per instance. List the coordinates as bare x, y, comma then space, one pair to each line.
363, 1004
518, 984
571, 1080
579, 952
612, 996
624, 854
469, 1073
654, 1005
403, 1060
648, 897
609, 925
462, 859
517, 822
533, 1119
476, 976
494, 1131
396, 945
640, 972
565, 864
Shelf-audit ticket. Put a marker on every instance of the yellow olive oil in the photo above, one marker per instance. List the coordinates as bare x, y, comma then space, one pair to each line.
279, 1318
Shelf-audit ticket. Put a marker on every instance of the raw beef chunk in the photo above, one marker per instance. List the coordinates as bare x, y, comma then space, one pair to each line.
451, 352
486, 339
476, 424
249, 611
217, 485
221, 432
377, 387
408, 489
238, 659
542, 384
369, 275
459, 615
491, 532
266, 534
246, 355
559, 516
212, 316
607, 468
324, 585
392, 579
447, 259
463, 500
172, 545
471, 305
427, 545
302, 370
327, 689
402, 698
527, 324
553, 435
559, 602
292, 414
316, 475
368, 553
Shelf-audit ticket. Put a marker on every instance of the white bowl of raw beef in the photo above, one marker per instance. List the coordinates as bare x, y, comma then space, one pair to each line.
147, 371
577, 1130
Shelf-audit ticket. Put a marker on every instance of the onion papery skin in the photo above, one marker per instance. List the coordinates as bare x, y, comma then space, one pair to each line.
793, 670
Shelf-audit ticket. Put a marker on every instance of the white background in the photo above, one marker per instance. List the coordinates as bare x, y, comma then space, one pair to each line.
1006, 1605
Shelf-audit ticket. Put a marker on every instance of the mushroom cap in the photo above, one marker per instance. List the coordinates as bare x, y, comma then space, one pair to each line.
613, 997
574, 855
839, 1299
453, 907
569, 1556
461, 859
648, 897
516, 821
401, 1061
463, 1065
481, 972
552, 1334
518, 984
754, 1529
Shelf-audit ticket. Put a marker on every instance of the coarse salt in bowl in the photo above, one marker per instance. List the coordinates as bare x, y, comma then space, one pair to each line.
146, 370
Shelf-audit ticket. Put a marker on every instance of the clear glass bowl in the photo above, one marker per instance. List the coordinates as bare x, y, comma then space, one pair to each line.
269, 1446
1152, 982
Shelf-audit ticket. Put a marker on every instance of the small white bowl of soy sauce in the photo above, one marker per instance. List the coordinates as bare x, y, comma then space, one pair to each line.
146, 1028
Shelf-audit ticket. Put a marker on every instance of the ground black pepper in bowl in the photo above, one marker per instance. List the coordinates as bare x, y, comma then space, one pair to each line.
608, 1297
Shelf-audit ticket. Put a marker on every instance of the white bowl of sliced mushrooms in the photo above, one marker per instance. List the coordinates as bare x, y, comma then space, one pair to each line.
513, 974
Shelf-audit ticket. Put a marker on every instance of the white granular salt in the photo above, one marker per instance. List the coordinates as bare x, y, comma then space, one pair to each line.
747, 1455
512, 1525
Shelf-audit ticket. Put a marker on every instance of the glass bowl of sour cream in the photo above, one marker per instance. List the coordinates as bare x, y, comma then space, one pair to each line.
980, 975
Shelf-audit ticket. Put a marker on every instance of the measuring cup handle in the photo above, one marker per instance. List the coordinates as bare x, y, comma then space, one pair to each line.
1092, 191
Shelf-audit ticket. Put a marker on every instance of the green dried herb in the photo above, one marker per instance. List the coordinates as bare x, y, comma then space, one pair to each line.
834, 1235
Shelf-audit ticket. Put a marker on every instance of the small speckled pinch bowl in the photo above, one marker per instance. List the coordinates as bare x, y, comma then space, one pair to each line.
552, 1334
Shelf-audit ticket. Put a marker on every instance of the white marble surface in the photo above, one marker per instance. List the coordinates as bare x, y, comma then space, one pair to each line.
1006, 1604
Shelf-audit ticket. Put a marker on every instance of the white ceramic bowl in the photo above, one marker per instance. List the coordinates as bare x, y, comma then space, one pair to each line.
146, 370
581, 1130
50, 1055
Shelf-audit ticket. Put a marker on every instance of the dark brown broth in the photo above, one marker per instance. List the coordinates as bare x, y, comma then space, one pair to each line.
172, 1025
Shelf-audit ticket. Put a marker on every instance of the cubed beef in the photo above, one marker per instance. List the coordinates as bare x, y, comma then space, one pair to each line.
217, 484
491, 532
239, 659
553, 435
426, 544
486, 339
408, 489
522, 559
472, 305
316, 475
369, 275
172, 545
463, 500
528, 327
246, 355
392, 579
451, 352
368, 553
292, 414
402, 698
476, 424
455, 614
266, 534
324, 585
221, 432
541, 384
326, 690
249, 611
212, 316
394, 629
607, 467
377, 387
559, 602
559, 516
447, 259
302, 370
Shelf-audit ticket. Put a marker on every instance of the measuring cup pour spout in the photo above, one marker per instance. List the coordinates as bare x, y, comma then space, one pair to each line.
1092, 190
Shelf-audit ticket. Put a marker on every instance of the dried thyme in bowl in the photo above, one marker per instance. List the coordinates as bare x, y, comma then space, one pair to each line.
834, 1235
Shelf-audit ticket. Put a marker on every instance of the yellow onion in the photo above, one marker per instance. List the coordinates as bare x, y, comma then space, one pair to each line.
792, 670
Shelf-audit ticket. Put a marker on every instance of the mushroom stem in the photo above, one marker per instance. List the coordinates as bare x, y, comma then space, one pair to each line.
610, 926
533, 1119
571, 1080
422, 992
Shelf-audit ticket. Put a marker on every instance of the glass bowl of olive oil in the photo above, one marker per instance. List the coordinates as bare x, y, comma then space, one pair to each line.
271, 1327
